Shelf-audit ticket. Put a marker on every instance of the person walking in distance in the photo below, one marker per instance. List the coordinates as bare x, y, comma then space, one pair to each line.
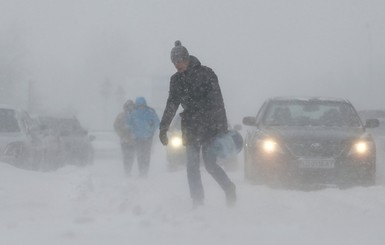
143, 122
126, 137
195, 87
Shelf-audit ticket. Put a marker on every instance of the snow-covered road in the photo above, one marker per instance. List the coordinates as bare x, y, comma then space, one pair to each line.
99, 205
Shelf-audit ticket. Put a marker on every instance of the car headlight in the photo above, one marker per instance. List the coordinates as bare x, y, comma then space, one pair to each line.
176, 142
361, 148
269, 146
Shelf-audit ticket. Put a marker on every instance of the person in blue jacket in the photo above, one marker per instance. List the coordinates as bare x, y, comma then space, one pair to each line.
143, 122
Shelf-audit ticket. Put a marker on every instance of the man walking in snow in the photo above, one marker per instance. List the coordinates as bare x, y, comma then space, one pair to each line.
143, 122
195, 87
126, 137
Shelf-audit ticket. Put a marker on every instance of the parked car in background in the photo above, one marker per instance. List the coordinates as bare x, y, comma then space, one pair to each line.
20, 138
176, 151
69, 142
299, 142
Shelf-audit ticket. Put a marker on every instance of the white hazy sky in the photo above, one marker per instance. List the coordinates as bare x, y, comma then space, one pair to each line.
257, 48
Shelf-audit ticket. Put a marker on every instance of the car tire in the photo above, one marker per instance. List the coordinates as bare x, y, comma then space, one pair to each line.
18, 155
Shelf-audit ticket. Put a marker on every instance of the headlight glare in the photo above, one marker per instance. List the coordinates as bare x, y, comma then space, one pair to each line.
176, 142
360, 147
269, 146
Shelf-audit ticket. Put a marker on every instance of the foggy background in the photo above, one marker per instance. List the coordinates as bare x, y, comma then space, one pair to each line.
87, 57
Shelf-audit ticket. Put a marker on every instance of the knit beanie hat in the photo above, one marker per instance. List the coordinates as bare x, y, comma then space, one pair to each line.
129, 105
179, 52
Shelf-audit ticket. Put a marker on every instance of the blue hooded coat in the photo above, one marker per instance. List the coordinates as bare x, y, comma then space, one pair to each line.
143, 120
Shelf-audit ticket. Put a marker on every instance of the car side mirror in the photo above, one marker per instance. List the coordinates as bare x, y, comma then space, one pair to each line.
372, 123
250, 121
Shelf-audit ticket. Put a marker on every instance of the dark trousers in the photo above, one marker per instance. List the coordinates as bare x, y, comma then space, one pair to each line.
143, 151
210, 162
128, 152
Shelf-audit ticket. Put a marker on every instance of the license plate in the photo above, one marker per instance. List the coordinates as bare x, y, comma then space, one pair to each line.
317, 163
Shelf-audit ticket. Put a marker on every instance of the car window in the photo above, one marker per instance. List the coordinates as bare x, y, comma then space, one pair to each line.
261, 112
60, 125
311, 113
8, 121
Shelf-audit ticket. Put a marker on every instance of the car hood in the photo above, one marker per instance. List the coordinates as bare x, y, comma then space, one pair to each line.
335, 134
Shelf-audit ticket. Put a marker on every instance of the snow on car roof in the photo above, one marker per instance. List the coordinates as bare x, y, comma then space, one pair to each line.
309, 98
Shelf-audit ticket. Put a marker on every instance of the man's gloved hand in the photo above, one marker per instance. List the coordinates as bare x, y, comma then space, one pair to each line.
163, 137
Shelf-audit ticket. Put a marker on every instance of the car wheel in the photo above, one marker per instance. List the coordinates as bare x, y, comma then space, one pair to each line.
21, 156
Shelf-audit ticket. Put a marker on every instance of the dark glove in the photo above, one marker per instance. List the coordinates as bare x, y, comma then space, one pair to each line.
163, 137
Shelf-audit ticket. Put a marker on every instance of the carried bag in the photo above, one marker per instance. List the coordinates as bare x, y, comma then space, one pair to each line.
228, 144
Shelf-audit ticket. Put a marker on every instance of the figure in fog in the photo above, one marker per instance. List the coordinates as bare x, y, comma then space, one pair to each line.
143, 122
195, 87
126, 137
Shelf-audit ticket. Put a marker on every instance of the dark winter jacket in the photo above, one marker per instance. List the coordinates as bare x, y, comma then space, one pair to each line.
143, 120
198, 91
121, 128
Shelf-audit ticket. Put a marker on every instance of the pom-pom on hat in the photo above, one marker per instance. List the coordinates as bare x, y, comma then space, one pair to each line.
179, 52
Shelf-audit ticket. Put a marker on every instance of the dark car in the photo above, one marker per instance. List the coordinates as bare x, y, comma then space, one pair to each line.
309, 142
176, 151
72, 142
20, 138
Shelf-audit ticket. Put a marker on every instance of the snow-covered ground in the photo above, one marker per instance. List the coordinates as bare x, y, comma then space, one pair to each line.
99, 205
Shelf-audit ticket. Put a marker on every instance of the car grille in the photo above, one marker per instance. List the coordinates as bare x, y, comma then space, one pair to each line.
316, 149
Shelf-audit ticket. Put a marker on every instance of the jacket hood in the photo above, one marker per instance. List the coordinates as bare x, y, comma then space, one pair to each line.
140, 101
194, 62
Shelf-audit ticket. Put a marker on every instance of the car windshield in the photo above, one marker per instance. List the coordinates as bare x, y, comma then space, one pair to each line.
70, 125
8, 121
311, 113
